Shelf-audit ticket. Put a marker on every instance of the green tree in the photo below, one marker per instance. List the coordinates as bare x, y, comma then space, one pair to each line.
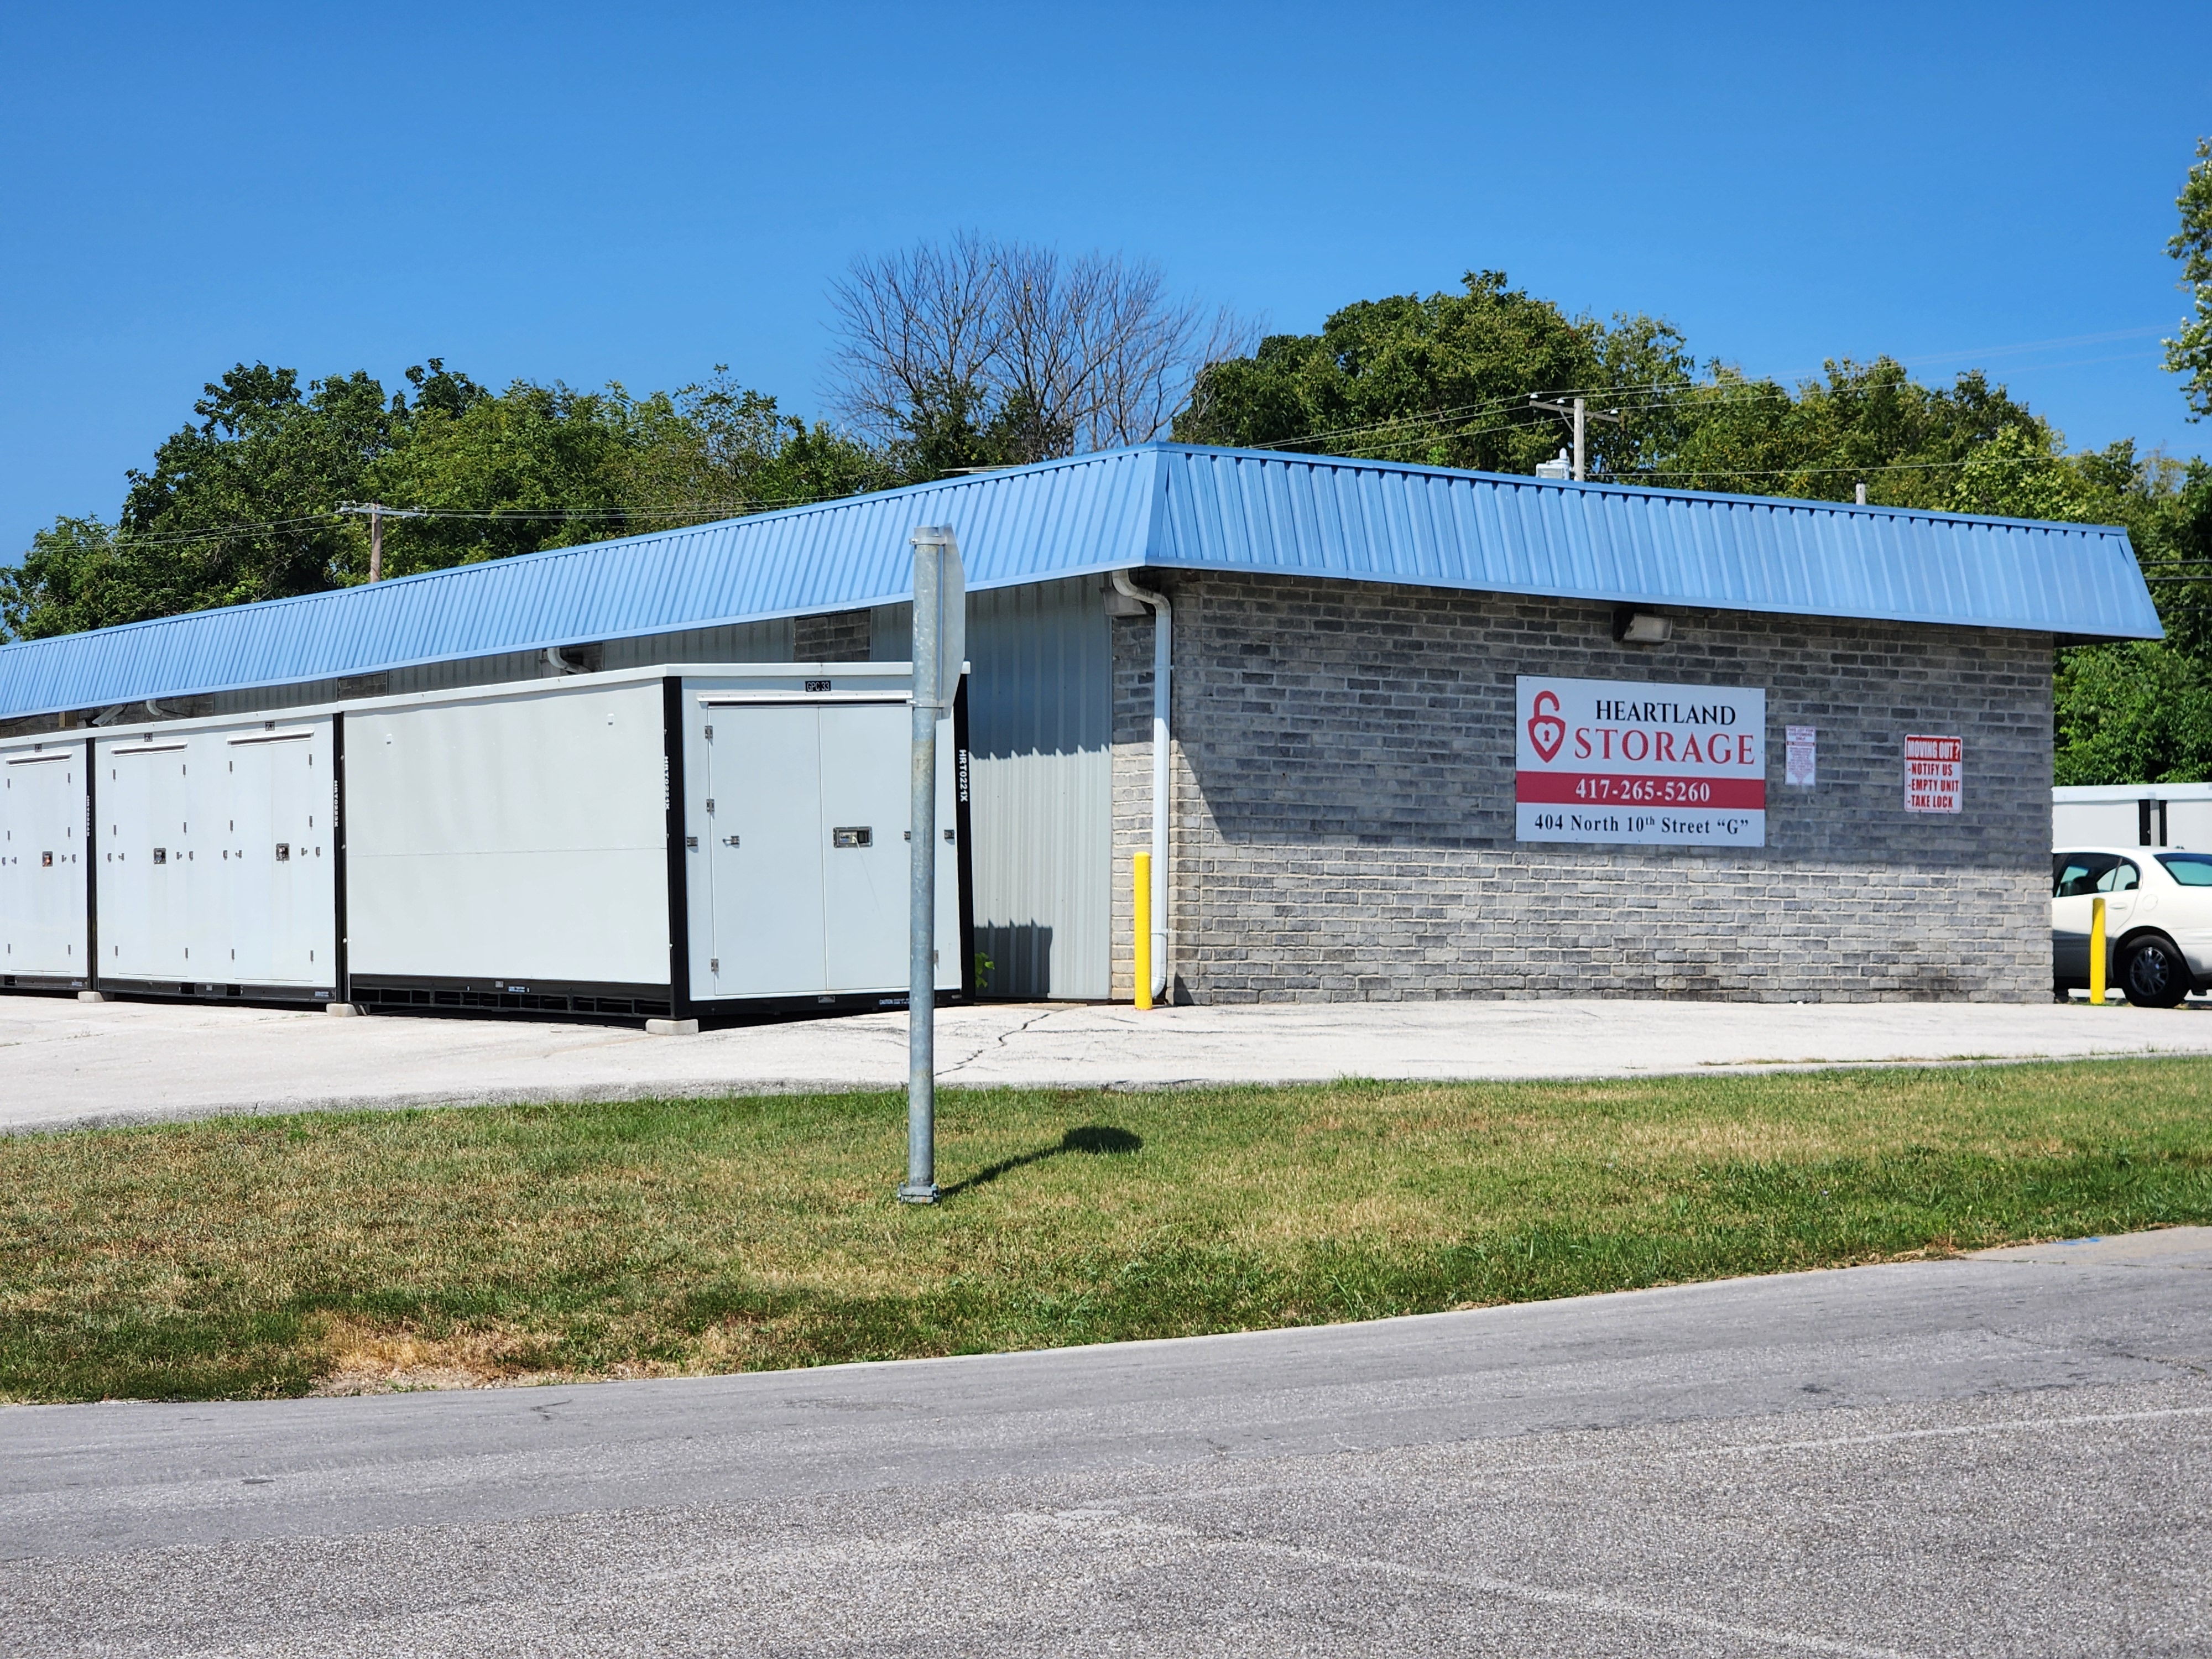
728, 449
1864, 422
2141, 711
1443, 379
243, 500
2190, 352
533, 467
2138, 712
73, 578
244, 504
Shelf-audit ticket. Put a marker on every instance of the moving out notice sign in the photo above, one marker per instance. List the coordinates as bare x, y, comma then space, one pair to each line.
1934, 774
1629, 761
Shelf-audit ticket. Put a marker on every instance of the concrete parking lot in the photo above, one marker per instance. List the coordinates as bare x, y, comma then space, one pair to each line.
63, 1061
2007, 1456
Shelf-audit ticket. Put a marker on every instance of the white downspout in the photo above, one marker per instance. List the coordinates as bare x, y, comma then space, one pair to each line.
1163, 654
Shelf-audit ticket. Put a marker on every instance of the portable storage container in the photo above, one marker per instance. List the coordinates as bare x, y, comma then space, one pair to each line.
2176, 815
218, 851
44, 868
654, 842
650, 843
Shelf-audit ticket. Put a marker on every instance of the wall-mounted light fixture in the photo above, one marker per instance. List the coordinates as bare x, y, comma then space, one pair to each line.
1642, 628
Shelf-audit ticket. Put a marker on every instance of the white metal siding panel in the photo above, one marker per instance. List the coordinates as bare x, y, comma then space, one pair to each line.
522, 836
1040, 728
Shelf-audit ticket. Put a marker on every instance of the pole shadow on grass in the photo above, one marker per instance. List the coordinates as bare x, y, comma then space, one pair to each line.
1097, 1140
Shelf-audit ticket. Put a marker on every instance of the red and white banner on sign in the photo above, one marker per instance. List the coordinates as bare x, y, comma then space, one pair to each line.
1934, 774
1628, 761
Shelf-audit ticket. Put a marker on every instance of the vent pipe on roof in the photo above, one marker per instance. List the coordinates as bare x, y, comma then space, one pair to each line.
1861, 496
1163, 653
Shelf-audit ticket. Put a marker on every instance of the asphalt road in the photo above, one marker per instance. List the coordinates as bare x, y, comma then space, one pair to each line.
2003, 1456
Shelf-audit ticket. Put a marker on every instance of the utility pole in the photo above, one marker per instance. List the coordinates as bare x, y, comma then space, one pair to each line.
1581, 415
377, 513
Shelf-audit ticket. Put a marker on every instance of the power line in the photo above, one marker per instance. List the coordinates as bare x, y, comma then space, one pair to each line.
332, 518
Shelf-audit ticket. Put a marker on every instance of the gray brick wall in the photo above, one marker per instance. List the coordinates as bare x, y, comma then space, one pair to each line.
1343, 826
834, 637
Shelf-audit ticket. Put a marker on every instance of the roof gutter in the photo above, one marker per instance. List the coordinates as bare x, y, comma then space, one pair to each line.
1163, 655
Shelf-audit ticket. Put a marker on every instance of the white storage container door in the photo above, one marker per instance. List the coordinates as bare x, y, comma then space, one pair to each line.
42, 861
866, 801
147, 867
762, 804
800, 882
274, 879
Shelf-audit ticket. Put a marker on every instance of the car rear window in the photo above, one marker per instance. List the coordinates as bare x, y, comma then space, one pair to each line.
2190, 869
2084, 875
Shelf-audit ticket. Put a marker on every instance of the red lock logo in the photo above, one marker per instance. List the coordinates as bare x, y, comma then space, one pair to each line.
1545, 729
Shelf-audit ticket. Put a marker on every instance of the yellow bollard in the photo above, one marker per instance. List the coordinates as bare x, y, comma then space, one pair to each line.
2096, 953
1141, 874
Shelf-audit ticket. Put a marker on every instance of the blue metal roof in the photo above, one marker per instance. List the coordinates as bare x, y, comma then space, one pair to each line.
1168, 505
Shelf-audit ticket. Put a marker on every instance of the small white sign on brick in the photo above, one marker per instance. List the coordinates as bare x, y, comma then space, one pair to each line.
1798, 767
1935, 773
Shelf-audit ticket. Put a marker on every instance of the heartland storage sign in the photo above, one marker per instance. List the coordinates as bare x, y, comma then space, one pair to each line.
1654, 765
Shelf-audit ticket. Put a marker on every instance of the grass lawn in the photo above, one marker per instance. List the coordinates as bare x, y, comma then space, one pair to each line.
277, 1256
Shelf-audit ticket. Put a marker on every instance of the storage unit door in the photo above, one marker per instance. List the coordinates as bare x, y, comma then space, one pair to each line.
761, 803
277, 870
142, 835
866, 803
42, 863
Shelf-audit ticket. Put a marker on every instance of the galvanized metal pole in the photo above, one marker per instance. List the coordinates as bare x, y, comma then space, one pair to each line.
1582, 470
935, 559
375, 542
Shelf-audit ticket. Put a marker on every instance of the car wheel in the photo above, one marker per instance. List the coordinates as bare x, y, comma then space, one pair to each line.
2152, 974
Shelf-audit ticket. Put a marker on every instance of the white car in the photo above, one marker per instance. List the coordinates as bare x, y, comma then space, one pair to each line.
2158, 921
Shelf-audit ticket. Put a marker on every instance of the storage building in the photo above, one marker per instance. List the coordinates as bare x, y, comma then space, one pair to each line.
1428, 733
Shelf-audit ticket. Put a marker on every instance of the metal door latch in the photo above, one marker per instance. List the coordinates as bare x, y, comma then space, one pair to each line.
710, 803
729, 840
283, 852
691, 842
853, 835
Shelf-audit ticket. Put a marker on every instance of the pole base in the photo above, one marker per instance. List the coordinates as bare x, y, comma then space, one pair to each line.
910, 1193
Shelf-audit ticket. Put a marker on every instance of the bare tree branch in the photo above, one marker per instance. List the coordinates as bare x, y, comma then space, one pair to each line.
996, 352
915, 327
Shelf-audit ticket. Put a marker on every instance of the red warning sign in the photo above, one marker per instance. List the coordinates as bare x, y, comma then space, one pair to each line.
1934, 774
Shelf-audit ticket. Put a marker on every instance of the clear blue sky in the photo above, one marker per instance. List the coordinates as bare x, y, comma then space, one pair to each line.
638, 192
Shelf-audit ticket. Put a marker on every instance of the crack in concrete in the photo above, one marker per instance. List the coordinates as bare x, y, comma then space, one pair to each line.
999, 1041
